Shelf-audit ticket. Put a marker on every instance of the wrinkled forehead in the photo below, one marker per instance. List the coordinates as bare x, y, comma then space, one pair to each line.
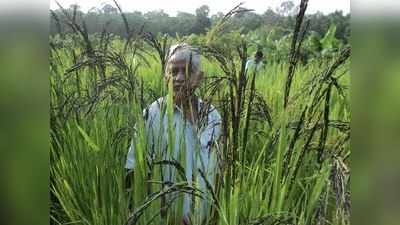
184, 55
176, 62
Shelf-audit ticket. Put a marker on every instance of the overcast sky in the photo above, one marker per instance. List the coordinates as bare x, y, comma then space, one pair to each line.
173, 6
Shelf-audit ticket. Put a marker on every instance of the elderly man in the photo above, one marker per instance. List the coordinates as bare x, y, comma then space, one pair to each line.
197, 127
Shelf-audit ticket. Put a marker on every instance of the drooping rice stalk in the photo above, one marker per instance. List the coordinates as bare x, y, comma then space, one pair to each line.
280, 165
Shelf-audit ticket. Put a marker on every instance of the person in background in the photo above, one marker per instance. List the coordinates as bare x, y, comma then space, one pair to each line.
255, 63
196, 123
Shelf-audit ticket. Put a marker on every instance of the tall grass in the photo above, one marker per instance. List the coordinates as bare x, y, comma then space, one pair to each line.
283, 162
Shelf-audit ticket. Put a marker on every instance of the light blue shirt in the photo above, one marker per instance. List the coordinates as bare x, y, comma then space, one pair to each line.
252, 65
200, 143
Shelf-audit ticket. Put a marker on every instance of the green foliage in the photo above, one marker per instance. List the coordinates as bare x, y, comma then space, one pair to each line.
188, 23
279, 165
329, 41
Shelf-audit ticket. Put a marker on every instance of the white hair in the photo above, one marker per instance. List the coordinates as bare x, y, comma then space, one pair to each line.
184, 51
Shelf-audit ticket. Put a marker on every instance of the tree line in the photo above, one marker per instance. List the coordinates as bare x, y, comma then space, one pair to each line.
283, 18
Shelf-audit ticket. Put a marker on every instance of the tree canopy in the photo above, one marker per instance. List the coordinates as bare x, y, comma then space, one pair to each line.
281, 19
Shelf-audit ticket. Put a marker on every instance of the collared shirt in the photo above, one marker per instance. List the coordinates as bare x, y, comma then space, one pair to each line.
195, 144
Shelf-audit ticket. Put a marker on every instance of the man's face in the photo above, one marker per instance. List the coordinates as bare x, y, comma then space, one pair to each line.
184, 78
258, 58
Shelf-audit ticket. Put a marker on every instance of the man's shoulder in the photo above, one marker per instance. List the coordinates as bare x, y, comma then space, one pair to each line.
210, 123
211, 112
157, 104
154, 108
214, 114
214, 119
251, 61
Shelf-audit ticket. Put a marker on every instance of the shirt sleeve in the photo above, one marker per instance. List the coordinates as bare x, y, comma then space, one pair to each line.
209, 157
209, 146
211, 132
130, 158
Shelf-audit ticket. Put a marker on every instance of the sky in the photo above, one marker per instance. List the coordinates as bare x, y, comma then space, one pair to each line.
173, 6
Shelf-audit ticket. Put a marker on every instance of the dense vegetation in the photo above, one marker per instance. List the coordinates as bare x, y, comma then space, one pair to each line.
280, 20
285, 142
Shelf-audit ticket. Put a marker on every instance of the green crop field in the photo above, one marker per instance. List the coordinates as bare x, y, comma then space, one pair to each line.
285, 133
